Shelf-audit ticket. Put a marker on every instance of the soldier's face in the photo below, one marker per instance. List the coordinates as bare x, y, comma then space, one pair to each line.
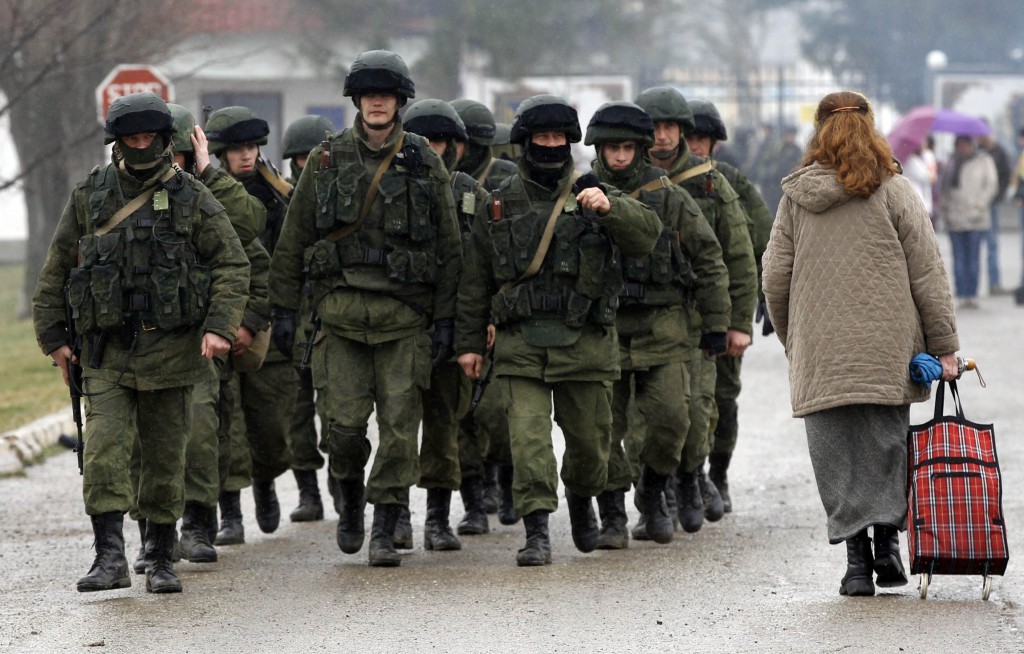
619, 156
700, 144
666, 136
440, 147
460, 150
300, 160
378, 108
549, 139
242, 158
139, 141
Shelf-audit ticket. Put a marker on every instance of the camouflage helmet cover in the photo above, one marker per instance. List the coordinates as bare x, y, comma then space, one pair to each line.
545, 113
664, 103
434, 120
135, 114
235, 126
478, 119
707, 120
614, 122
304, 134
184, 127
380, 71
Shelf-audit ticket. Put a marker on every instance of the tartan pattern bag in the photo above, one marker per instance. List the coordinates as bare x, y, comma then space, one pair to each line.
954, 515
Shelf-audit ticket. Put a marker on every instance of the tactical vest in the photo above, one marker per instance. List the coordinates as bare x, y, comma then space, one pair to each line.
663, 277
275, 206
580, 278
145, 271
464, 192
707, 195
395, 245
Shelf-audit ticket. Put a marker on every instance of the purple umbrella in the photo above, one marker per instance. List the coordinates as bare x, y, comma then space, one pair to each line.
909, 131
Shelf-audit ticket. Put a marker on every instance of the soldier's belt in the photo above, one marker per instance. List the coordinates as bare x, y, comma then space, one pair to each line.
634, 290
546, 302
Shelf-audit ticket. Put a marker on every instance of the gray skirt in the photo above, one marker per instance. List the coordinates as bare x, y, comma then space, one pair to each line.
859, 455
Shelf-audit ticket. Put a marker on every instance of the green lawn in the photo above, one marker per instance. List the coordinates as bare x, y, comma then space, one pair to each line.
30, 387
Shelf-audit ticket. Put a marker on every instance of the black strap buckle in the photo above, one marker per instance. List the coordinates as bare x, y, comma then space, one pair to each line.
634, 289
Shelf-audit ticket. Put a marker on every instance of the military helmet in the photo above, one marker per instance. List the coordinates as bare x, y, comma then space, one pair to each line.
707, 120
614, 122
184, 127
502, 134
379, 71
664, 103
304, 134
545, 113
434, 120
135, 114
478, 119
235, 126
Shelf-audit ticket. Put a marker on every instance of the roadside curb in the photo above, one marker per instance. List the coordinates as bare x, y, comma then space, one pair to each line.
23, 446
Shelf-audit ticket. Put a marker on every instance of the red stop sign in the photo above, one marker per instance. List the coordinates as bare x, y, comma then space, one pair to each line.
126, 79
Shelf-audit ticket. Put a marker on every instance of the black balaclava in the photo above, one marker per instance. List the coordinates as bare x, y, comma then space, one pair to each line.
545, 163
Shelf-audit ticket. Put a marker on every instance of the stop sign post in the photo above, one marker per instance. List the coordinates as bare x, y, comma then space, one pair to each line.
126, 79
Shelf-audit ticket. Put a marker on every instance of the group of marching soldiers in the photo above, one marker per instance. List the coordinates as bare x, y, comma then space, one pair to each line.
433, 268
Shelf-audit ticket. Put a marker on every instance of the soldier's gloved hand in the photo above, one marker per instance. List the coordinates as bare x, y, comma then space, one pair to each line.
590, 180
713, 344
282, 330
442, 342
762, 314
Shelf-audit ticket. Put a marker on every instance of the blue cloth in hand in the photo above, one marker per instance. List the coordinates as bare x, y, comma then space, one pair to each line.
924, 369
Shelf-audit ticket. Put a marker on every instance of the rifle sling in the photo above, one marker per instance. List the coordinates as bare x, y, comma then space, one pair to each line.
136, 203
483, 176
371, 195
705, 167
279, 184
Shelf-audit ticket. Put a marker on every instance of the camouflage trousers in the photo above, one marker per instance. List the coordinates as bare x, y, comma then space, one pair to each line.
353, 378
483, 434
117, 416
202, 450
702, 408
267, 399
444, 403
583, 411
302, 434
725, 427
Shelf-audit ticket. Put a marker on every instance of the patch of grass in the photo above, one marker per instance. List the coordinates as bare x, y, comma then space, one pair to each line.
30, 387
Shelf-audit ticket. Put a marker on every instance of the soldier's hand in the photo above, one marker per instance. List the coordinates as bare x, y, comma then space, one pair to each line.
736, 342
60, 358
282, 330
471, 364
492, 335
202, 149
713, 344
214, 345
243, 341
442, 340
595, 200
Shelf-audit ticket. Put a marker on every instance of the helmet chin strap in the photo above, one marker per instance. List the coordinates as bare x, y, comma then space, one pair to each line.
662, 155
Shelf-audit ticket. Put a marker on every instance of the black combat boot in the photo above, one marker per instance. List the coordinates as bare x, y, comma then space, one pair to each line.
857, 580
671, 503
717, 473
382, 536
714, 507
268, 510
888, 564
403, 530
437, 533
611, 505
640, 529
232, 531
195, 540
691, 505
650, 495
492, 488
507, 510
335, 493
109, 569
538, 542
474, 522
160, 577
352, 501
139, 566
583, 521
310, 507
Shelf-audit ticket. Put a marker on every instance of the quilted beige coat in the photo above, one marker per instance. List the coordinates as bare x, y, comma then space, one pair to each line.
855, 288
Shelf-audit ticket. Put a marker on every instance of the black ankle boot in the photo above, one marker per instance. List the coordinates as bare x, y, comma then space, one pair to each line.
232, 531
474, 522
887, 562
109, 569
335, 493
714, 507
195, 541
139, 566
382, 536
492, 488
437, 533
857, 580
611, 505
583, 521
160, 577
538, 542
651, 497
268, 509
311, 507
691, 505
403, 530
507, 510
718, 467
351, 505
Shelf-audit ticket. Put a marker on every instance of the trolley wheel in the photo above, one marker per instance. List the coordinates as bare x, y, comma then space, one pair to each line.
925, 580
986, 587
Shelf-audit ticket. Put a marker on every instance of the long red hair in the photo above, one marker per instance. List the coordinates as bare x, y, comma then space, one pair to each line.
845, 139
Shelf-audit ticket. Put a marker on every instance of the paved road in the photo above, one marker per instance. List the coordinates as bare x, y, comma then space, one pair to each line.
762, 580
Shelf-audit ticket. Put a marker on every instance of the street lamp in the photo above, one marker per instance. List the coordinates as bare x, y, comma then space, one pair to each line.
936, 61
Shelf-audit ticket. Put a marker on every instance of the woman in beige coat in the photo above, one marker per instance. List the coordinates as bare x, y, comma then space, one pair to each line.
855, 287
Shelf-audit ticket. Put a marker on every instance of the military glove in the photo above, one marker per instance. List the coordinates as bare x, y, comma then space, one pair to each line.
282, 330
590, 180
762, 313
442, 341
713, 344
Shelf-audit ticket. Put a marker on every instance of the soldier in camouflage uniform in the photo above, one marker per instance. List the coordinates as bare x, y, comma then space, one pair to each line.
720, 205
502, 148
235, 134
372, 226
156, 281
555, 317
300, 138
685, 267
707, 131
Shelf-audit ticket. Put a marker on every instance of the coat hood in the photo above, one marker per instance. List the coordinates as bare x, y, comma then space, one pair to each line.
815, 188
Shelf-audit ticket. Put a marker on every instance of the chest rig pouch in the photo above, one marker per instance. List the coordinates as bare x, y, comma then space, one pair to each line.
144, 271
664, 276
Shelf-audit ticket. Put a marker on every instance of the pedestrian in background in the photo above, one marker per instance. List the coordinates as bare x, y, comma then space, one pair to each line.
1003, 173
855, 287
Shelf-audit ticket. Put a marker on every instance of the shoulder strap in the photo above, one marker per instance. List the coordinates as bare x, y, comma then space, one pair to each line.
276, 182
136, 203
545, 239
371, 194
483, 176
692, 172
661, 182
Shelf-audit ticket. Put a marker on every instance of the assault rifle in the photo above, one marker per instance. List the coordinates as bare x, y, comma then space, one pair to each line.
75, 376
480, 385
307, 354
